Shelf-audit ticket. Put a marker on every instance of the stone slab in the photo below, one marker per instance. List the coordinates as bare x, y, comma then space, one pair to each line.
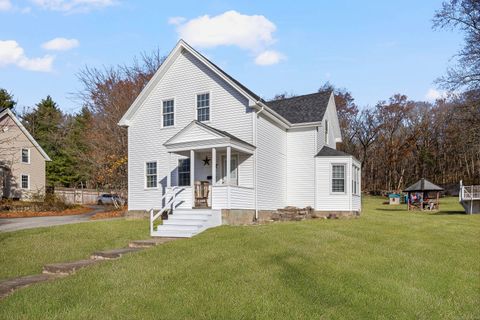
68, 267
8, 286
155, 241
113, 254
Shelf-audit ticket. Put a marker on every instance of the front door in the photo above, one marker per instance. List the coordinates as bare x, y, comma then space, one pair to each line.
233, 168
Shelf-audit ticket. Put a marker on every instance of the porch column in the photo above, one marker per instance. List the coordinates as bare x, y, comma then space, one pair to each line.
229, 155
192, 175
169, 173
214, 166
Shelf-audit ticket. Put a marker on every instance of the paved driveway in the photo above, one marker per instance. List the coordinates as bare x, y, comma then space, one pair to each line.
14, 224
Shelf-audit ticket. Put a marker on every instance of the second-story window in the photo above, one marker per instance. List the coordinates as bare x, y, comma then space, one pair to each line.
25, 156
326, 131
203, 107
168, 113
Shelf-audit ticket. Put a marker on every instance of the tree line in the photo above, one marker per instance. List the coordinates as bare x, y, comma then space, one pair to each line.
398, 140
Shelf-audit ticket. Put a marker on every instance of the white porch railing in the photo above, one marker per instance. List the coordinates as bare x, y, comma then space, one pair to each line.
232, 197
469, 193
170, 198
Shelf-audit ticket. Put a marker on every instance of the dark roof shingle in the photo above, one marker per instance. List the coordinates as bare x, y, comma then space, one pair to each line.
300, 109
330, 152
423, 185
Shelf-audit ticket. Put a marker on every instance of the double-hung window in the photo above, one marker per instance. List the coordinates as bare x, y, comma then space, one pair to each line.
25, 181
184, 172
151, 174
203, 107
168, 113
338, 178
26, 155
355, 180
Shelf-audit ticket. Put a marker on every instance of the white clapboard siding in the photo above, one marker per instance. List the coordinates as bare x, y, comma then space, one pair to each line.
184, 79
242, 198
326, 200
219, 197
333, 129
272, 162
301, 150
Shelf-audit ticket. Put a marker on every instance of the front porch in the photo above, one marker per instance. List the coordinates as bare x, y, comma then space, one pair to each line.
211, 169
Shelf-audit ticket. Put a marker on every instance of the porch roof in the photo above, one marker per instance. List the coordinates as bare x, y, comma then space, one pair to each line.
198, 135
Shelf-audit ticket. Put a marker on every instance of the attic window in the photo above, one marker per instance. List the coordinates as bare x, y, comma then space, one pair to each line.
203, 107
26, 156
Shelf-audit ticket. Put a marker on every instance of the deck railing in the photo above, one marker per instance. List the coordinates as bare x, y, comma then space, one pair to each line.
470, 193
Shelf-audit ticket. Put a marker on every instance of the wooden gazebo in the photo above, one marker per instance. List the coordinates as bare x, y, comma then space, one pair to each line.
419, 195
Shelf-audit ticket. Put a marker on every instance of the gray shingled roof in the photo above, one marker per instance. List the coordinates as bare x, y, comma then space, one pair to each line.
306, 108
423, 185
330, 152
250, 92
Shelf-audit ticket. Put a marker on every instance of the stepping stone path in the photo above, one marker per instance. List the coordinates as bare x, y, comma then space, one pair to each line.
57, 270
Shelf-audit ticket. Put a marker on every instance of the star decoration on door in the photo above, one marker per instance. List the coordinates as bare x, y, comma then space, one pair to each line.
206, 161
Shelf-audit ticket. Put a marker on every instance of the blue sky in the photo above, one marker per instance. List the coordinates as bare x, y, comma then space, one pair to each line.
373, 48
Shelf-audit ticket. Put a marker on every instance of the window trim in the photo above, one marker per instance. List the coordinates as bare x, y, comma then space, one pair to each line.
209, 106
174, 117
344, 178
355, 180
145, 175
28, 181
29, 156
189, 172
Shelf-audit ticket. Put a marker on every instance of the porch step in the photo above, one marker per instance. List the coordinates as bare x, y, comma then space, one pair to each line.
174, 233
192, 211
183, 216
182, 227
186, 222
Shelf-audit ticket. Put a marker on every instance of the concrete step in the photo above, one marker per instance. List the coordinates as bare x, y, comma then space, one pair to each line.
67, 267
150, 242
175, 233
112, 254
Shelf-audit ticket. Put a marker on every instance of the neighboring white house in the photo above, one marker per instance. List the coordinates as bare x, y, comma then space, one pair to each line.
22, 160
194, 123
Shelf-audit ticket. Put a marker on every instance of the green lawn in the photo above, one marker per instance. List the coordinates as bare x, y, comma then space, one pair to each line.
26, 252
388, 264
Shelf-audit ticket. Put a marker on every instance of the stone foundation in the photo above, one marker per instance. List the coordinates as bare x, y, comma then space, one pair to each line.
137, 215
238, 216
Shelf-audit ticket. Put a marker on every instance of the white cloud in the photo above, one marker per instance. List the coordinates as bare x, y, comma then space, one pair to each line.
12, 54
73, 6
176, 20
229, 28
269, 57
433, 94
61, 44
5, 5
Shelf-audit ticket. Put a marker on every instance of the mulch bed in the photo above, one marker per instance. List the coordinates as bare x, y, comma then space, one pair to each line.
30, 214
108, 214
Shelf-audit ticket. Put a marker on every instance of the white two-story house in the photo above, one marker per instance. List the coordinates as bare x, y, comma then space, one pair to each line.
211, 151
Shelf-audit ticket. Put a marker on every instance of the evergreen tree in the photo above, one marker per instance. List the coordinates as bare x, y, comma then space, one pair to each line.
6, 100
46, 123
